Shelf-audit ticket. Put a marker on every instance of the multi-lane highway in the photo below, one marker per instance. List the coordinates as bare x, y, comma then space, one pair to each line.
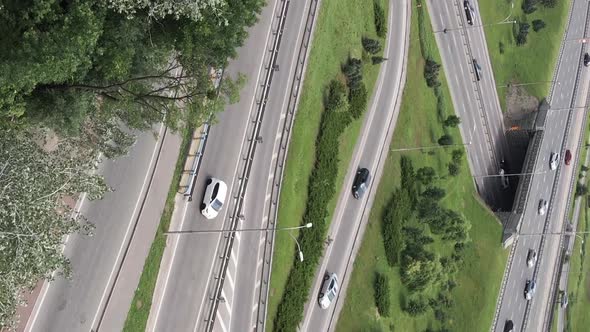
563, 128
349, 221
80, 304
186, 297
475, 102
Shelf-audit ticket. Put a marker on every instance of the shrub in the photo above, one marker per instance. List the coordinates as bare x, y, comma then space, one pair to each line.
454, 169
397, 212
336, 100
549, 3
371, 45
528, 6
377, 59
581, 189
380, 21
353, 70
457, 156
501, 47
452, 121
426, 175
358, 101
445, 140
431, 70
434, 193
416, 306
333, 123
523, 31
538, 25
382, 296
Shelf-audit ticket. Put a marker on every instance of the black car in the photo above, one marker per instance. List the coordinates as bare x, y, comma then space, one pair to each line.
361, 182
586, 59
477, 69
468, 14
508, 326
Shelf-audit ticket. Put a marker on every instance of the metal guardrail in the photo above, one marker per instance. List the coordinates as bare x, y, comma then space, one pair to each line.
558, 173
279, 167
243, 179
197, 162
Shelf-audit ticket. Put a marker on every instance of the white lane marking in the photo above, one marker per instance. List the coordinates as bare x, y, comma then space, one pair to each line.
233, 258
221, 322
129, 227
231, 281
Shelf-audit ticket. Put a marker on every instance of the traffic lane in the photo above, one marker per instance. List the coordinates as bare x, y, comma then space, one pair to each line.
260, 186
220, 159
71, 304
541, 306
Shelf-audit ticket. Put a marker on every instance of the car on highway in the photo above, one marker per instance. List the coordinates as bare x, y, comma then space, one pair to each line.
504, 179
329, 290
554, 160
543, 207
564, 300
468, 12
508, 326
531, 258
568, 157
586, 59
361, 183
214, 198
476, 70
529, 289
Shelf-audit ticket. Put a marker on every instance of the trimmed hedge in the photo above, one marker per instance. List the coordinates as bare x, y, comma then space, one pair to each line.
322, 188
382, 295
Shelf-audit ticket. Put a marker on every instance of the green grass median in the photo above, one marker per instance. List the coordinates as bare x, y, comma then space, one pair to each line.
534, 62
577, 318
478, 280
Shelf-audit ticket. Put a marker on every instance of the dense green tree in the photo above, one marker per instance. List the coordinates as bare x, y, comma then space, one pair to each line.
416, 306
353, 70
434, 193
357, 99
426, 175
421, 273
380, 19
382, 294
529, 6
538, 25
445, 140
452, 121
396, 215
377, 59
431, 71
581, 189
371, 45
454, 169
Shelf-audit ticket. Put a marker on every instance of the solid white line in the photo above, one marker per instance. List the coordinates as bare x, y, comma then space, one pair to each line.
231, 281
221, 322
233, 258
129, 227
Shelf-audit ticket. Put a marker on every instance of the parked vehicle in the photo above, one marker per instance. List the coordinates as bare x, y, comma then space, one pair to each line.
214, 198
329, 290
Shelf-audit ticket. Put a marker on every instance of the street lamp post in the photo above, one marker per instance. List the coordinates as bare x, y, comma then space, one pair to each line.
445, 30
566, 109
513, 174
431, 147
522, 84
211, 231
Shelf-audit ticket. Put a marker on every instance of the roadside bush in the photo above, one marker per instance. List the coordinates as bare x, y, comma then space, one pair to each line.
454, 169
452, 121
581, 189
398, 211
371, 45
357, 99
457, 156
353, 70
333, 123
538, 25
425, 175
377, 59
382, 295
431, 70
445, 140
549, 3
523, 31
336, 100
434, 193
380, 21
416, 306
529, 6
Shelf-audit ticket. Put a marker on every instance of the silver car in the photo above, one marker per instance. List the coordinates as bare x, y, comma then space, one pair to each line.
554, 161
543, 205
529, 289
531, 258
329, 290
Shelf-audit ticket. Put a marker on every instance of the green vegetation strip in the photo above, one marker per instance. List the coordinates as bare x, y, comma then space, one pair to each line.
142, 300
478, 279
339, 29
577, 318
532, 62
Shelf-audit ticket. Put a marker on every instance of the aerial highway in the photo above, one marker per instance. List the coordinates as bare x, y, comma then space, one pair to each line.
475, 101
350, 219
79, 304
198, 286
564, 128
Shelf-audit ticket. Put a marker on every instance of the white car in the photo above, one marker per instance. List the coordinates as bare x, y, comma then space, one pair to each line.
329, 290
214, 198
529, 289
543, 207
504, 179
531, 258
554, 161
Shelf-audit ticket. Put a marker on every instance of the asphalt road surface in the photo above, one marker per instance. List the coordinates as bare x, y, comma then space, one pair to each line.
347, 227
475, 102
76, 304
533, 316
182, 299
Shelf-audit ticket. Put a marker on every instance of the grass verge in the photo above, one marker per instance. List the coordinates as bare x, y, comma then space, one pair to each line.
579, 278
341, 25
479, 279
533, 62
142, 300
